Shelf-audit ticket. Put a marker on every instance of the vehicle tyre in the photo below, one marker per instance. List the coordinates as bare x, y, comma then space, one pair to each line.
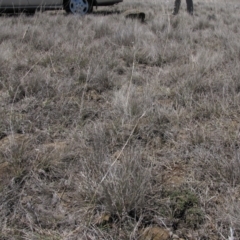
80, 7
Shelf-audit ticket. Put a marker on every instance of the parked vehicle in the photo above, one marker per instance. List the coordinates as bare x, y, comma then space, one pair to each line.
70, 6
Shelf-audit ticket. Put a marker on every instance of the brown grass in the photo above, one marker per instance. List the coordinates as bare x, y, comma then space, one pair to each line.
109, 125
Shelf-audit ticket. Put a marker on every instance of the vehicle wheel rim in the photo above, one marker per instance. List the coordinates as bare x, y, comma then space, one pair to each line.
79, 6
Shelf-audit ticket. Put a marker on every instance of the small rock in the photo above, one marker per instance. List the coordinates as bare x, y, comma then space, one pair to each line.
155, 233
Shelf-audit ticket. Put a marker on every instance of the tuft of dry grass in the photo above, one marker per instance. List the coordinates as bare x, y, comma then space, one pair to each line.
110, 126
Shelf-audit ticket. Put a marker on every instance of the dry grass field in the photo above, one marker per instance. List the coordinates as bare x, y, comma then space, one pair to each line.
111, 128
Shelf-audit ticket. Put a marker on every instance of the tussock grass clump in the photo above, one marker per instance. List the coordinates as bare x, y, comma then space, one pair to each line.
110, 126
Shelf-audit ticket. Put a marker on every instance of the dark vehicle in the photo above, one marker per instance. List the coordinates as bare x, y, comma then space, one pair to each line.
70, 6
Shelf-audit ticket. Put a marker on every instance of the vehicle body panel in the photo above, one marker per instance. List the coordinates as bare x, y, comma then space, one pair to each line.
13, 3
46, 4
107, 2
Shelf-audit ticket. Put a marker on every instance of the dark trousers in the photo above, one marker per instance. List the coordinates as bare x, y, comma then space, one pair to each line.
189, 6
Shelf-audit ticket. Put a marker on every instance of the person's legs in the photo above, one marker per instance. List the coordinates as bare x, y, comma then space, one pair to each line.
190, 6
176, 6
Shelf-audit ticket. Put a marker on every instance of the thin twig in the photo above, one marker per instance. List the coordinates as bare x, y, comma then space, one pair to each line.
124, 146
